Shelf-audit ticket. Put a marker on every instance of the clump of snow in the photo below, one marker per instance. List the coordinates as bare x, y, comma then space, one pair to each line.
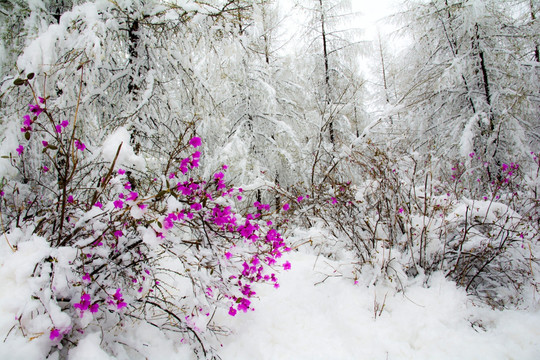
466, 142
89, 349
126, 157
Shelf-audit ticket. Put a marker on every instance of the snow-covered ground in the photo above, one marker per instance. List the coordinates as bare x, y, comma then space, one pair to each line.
334, 319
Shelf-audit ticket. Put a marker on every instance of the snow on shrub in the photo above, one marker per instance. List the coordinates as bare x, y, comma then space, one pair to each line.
399, 219
170, 250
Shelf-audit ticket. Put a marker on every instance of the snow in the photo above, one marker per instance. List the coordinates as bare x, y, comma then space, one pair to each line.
88, 349
319, 314
335, 320
127, 156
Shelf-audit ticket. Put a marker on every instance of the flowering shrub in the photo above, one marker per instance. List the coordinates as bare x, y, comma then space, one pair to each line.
170, 250
480, 228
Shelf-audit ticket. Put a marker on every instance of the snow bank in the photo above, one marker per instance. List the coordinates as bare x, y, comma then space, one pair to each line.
334, 319
126, 157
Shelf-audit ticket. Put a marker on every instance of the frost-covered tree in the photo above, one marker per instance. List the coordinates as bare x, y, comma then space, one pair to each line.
258, 137
467, 82
333, 88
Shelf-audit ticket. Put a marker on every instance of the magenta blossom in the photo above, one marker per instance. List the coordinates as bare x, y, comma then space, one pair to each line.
35, 109
196, 206
117, 300
85, 304
195, 142
55, 333
79, 145
20, 149
285, 207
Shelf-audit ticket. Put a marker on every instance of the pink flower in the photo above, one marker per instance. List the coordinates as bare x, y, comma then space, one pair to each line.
132, 196
118, 300
196, 206
45, 168
119, 204
27, 121
35, 109
244, 305
400, 210
55, 333
118, 233
232, 311
287, 265
225, 167
167, 223
121, 171
300, 198
334, 200
285, 207
58, 129
86, 278
45, 143
20, 149
228, 255
98, 204
41, 100
70, 199
83, 304
79, 145
64, 123
195, 142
